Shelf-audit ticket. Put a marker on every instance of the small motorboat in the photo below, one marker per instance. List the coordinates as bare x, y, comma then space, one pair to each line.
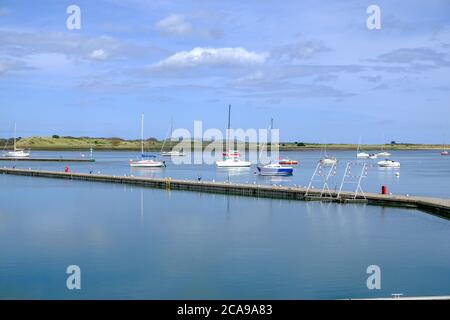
373, 156
275, 169
328, 161
444, 153
287, 161
389, 164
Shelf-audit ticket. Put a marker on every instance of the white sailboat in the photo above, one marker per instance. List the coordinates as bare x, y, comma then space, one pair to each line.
145, 163
17, 153
360, 154
383, 153
327, 160
174, 153
444, 152
274, 168
231, 159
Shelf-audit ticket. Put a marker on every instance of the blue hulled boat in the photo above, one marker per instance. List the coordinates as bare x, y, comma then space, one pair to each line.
275, 169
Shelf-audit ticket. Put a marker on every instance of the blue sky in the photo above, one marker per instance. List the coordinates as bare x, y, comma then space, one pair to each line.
313, 66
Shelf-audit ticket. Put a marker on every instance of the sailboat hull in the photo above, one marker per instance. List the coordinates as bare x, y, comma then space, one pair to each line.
383, 154
278, 171
18, 154
232, 163
146, 164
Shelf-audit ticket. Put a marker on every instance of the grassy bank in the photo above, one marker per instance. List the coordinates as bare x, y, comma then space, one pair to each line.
85, 143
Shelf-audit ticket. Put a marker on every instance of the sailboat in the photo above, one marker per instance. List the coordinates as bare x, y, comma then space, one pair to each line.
445, 151
383, 153
361, 155
231, 159
326, 160
170, 153
276, 168
17, 153
145, 163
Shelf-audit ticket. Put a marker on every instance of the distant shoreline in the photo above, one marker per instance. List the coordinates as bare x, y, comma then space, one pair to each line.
116, 144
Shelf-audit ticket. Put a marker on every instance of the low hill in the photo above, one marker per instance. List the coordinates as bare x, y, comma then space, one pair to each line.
85, 143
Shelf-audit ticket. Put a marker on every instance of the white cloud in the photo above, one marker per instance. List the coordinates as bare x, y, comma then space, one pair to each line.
174, 25
99, 54
211, 57
19, 44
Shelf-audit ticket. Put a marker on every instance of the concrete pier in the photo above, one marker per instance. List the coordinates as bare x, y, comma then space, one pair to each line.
48, 159
435, 206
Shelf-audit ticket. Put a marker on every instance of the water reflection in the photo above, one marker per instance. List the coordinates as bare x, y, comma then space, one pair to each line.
138, 242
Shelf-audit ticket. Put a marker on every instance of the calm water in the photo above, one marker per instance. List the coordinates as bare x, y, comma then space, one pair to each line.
133, 242
424, 173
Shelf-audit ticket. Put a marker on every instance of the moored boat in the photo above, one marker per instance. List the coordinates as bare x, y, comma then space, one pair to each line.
145, 163
17, 153
383, 154
275, 169
362, 155
171, 153
231, 160
389, 164
288, 162
445, 151
328, 161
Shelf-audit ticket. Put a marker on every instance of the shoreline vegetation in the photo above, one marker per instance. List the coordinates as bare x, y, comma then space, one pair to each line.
58, 143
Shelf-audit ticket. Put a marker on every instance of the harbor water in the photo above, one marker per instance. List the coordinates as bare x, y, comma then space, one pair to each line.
142, 243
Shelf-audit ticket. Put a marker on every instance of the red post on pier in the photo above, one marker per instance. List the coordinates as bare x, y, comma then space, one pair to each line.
383, 190
66, 169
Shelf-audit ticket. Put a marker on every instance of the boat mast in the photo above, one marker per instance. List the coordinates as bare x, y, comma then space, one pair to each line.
167, 134
142, 136
270, 138
264, 144
15, 133
359, 145
229, 126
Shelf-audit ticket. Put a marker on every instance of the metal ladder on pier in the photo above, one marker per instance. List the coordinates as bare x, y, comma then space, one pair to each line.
322, 174
354, 174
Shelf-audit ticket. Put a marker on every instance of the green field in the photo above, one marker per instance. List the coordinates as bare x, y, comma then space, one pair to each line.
85, 143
